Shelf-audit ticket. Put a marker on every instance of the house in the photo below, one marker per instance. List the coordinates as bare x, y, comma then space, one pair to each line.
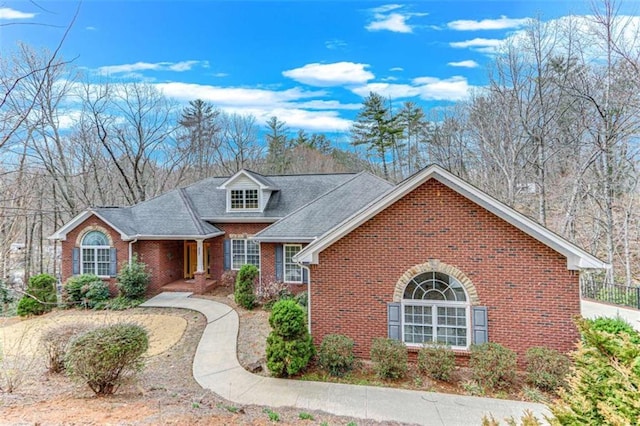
430, 259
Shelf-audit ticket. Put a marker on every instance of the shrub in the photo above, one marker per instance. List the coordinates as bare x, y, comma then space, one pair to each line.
121, 303
133, 279
244, 293
41, 296
87, 290
289, 345
603, 387
437, 361
389, 358
302, 298
615, 326
546, 368
228, 278
55, 341
336, 354
272, 292
105, 357
493, 365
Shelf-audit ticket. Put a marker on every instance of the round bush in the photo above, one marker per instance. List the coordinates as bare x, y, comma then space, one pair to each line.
55, 341
437, 361
133, 279
336, 354
493, 365
43, 289
288, 357
107, 356
546, 368
615, 326
29, 306
288, 318
389, 358
75, 287
244, 292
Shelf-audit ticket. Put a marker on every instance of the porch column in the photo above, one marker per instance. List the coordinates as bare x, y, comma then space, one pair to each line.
200, 250
199, 274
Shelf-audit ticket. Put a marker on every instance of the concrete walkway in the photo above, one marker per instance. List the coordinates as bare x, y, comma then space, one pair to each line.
216, 367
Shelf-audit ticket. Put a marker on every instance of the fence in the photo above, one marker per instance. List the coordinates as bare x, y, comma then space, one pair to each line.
596, 288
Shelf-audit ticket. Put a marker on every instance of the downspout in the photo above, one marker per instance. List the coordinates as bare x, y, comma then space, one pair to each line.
131, 243
308, 296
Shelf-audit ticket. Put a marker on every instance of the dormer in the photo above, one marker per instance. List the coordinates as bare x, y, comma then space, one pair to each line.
247, 191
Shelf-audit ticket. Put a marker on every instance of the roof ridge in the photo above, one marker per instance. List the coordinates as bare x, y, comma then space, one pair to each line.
313, 201
187, 202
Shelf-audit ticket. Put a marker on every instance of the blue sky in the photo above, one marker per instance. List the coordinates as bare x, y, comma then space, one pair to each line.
308, 62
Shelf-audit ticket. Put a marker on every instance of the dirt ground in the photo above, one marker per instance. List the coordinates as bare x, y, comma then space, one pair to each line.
165, 392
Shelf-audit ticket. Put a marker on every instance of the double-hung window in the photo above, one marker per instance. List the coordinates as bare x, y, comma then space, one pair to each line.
96, 254
244, 252
292, 271
244, 199
435, 309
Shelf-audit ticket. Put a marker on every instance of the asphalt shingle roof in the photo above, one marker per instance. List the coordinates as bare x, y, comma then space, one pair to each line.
187, 212
328, 210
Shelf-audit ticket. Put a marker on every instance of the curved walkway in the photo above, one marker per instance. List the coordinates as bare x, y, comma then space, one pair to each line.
216, 367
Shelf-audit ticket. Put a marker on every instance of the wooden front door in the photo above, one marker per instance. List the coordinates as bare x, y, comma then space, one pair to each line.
191, 258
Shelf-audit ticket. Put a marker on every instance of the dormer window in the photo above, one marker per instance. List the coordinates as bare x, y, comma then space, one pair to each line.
244, 199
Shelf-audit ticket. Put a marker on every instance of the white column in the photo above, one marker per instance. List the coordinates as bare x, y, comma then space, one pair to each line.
200, 250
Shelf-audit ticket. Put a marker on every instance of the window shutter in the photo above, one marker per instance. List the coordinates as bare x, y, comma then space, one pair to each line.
76, 260
279, 263
480, 325
393, 321
113, 259
227, 254
305, 276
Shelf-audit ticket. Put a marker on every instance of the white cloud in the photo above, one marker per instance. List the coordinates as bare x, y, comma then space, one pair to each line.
396, 69
501, 23
220, 74
485, 45
393, 22
396, 21
335, 44
464, 64
427, 88
152, 66
327, 75
8, 13
327, 105
90, 28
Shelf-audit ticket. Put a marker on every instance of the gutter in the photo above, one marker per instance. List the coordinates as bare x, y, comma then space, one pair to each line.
131, 243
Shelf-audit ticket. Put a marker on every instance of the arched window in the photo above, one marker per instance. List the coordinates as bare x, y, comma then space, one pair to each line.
435, 308
96, 254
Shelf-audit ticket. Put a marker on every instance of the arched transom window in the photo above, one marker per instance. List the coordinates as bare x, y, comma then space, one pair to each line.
435, 308
96, 254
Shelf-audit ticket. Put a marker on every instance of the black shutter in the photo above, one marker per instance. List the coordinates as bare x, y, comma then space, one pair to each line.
480, 328
113, 262
393, 321
227, 254
76, 260
305, 275
279, 263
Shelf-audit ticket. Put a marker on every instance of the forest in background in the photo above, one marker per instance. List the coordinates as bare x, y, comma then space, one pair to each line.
554, 134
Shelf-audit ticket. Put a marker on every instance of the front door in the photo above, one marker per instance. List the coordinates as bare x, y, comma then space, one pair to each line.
191, 258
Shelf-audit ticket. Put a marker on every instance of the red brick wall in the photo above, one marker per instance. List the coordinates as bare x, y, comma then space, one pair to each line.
122, 248
232, 230
164, 260
268, 266
530, 294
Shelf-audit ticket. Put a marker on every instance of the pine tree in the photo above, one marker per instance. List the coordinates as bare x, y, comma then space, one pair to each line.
376, 128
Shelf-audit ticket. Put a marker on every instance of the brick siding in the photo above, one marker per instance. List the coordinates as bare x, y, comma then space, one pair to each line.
530, 294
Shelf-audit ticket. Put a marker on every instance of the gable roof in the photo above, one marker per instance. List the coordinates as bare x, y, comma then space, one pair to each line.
326, 211
262, 181
577, 258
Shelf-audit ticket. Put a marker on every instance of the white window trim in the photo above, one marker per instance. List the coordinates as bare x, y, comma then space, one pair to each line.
435, 304
245, 254
244, 209
292, 263
95, 254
